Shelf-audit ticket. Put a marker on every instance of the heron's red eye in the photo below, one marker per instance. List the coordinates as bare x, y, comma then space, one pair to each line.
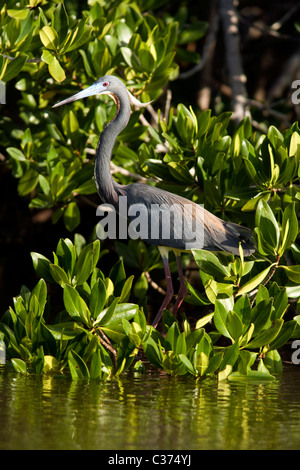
105, 84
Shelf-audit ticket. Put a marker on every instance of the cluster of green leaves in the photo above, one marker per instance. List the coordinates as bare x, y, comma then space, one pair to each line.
99, 333
95, 308
47, 154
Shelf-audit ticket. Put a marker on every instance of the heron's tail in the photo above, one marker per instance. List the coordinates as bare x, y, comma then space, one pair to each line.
237, 234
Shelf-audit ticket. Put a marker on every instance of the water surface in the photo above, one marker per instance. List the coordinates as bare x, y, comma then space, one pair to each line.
149, 412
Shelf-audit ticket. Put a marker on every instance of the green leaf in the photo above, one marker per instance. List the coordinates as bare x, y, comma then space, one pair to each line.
40, 292
72, 216
188, 365
267, 227
141, 286
66, 255
118, 276
209, 263
41, 265
292, 272
19, 366
295, 145
273, 362
16, 154
146, 58
114, 332
20, 14
75, 305
285, 334
97, 298
193, 32
49, 37
289, 228
281, 303
59, 275
134, 332
106, 314
55, 69
126, 289
229, 359
195, 297
242, 308
70, 123
266, 336
201, 363
96, 365
172, 336
86, 262
77, 37
204, 320
13, 68
261, 315
220, 318
180, 344
214, 363
234, 325
246, 360
60, 21
170, 362
28, 182
50, 364
252, 172
203, 122
77, 366
251, 376
64, 331
255, 281
153, 351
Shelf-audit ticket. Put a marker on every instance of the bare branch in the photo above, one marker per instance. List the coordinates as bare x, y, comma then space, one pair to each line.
28, 61
237, 77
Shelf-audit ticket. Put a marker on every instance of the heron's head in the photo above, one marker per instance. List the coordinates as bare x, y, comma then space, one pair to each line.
107, 85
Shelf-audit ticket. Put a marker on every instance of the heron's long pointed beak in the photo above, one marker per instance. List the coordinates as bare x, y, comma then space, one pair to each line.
94, 89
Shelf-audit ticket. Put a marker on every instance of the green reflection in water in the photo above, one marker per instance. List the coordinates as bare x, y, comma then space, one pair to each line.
149, 412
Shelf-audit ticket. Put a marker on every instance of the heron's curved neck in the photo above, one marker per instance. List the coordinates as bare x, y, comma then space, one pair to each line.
106, 185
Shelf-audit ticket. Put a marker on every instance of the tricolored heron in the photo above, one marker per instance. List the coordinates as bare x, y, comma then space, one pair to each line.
211, 233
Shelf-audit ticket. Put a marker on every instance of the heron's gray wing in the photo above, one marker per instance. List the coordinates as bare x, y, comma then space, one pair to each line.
170, 220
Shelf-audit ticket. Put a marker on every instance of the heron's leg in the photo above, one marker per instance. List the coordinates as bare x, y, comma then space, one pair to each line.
170, 291
182, 287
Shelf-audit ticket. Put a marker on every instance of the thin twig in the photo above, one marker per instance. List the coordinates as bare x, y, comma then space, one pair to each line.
278, 24
265, 107
144, 121
268, 31
88, 201
168, 104
265, 281
153, 113
106, 343
123, 171
153, 284
28, 61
